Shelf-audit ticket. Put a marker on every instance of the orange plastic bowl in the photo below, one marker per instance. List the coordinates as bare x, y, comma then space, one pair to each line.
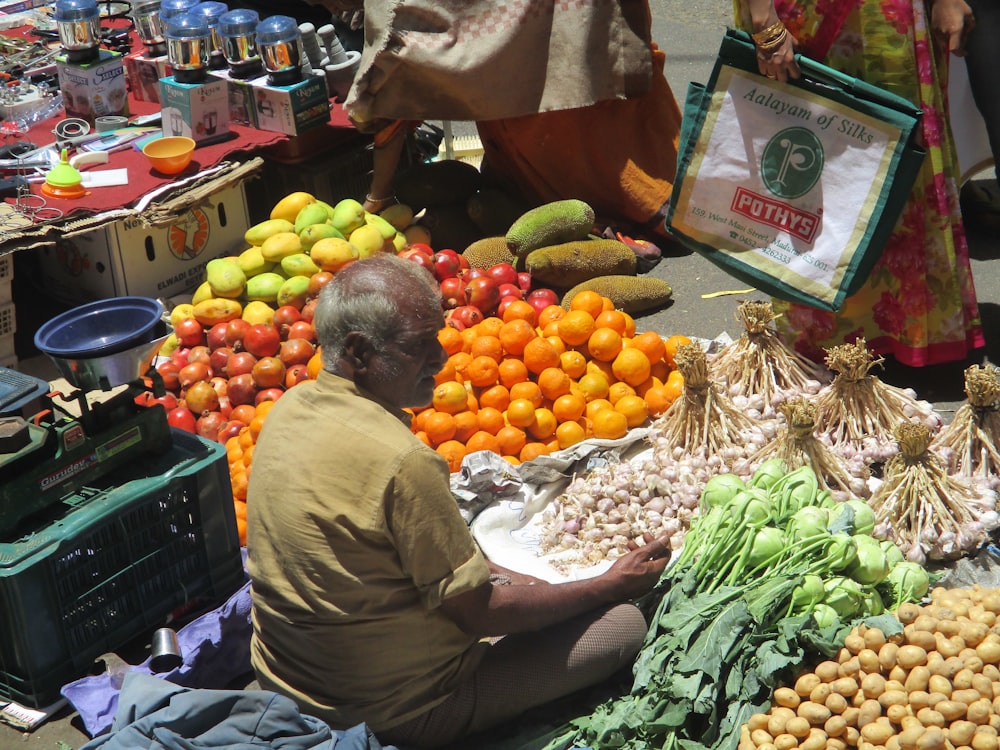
169, 155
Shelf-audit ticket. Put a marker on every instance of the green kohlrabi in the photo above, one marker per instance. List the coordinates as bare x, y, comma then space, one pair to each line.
807, 594
907, 582
720, 489
768, 473
844, 595
871, 566
808, 522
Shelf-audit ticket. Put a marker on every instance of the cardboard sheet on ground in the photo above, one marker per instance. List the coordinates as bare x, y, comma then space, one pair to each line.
505, 508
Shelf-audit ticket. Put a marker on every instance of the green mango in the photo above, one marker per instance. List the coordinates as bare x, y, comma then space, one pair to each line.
348, 215
293, 292
264, 286
315, 232
299, 264
309, 215
328, 207
252, 261
387, 230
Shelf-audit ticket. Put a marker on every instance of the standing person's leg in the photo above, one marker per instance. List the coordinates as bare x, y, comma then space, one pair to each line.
982, 58
387, 151
526, 670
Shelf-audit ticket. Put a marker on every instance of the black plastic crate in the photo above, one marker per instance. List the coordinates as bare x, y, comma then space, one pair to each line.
155, 537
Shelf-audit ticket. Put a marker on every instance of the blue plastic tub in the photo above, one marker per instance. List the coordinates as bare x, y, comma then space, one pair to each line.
99, 328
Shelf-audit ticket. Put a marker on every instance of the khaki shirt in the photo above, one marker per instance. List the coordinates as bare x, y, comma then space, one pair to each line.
354, 539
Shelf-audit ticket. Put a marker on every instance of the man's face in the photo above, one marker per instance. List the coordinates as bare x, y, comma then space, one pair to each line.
404, 375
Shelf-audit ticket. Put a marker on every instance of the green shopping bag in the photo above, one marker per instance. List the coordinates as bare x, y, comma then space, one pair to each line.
792, 187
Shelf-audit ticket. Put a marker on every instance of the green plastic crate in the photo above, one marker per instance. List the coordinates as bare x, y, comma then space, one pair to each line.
118, 559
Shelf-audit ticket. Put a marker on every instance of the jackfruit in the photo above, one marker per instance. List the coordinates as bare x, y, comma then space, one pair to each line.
631, 294
488, 252
550, 224
570, 263
436, 183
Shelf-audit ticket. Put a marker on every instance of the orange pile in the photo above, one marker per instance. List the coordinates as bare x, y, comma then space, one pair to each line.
239, 452
526, 385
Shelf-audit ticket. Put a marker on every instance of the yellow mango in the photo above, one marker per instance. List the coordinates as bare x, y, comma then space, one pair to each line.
299, 264
225, 277
399, 242
398, 214
309, 215
293, 292
309, 236
348, 215
252, 261
289, 206
368, 240
218, 310
280, 245
258, 311
202, 293
256, 234
417, 233
264, 286
169, 345
181, 312
331, 254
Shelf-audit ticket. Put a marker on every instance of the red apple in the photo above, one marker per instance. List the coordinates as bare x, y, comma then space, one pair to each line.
502, 273
541, 298
524, 280
446, 264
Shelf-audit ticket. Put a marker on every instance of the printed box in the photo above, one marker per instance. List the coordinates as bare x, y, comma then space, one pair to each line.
290, 109
94, 89
144, 74
196, 110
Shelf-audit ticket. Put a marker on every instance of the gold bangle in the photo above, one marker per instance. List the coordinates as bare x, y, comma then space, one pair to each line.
765, 35
771, 45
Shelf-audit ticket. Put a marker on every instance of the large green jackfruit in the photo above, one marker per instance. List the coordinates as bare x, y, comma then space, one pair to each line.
488, 252
570, 263
631, 294
550, 224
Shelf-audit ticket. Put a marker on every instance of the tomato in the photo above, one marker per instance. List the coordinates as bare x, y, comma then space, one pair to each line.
189, 332
262, 340
452, 292
482, 292
502, 273
181, 418
446, 264
269, 372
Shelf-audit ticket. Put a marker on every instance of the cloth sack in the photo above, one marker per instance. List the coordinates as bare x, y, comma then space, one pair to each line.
791, 187
460, 60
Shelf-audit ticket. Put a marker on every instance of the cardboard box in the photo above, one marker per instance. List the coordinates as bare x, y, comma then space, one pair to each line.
127, 258
93, 89
240, 98
197, 110
290, 109
144, 74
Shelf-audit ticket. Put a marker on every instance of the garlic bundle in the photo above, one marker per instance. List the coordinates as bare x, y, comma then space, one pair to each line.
797, 445
969, 443
759, 362
926, 512
858, 412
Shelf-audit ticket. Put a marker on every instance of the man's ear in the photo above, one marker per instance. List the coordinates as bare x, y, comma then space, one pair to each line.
358, 351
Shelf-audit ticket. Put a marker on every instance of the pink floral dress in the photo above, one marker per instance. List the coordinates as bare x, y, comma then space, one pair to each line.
919, 304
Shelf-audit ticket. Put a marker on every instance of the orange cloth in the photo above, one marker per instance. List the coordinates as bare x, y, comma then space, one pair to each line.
619, 155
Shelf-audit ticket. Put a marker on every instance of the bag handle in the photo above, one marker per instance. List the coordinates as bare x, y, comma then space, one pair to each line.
738, 50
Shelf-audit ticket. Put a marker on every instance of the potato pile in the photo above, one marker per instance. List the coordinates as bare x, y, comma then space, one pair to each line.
935, 686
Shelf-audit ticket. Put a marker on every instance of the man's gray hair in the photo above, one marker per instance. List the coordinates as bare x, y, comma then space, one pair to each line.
371, 297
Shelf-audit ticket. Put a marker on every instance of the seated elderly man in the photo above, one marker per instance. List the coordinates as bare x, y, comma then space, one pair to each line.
371, 601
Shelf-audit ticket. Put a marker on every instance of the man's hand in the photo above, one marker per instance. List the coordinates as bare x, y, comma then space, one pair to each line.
951, 22
640, 569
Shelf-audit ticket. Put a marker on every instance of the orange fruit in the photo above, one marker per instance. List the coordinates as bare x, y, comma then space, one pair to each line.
614, 319
631, 366
246, 438
483, 371
482, 441
532, 451
240, 481
573, 363
575, 326
557, 343
450, 397
489, 326
515, 335
511, 439
619, 389
440, 426
519, 309
314, 365
450, 339
658, 400
651, 382
513, 370
570, 433
674, 387
569, 407
544, 426
609, 424
589, 301
593, 385
488, 346
635, 409
553, 383
550, 329
671, 345
539, 354
459, 361
248, 458
629, 325
422, 437
520, 412
660, 370
496, 397
604, 344
453, 452
472, 403
468, 336
530, 390
244, 413
550, 314
651, 344
598, 404
447, 372
490, 419
256, 425
466, 424
263, 408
